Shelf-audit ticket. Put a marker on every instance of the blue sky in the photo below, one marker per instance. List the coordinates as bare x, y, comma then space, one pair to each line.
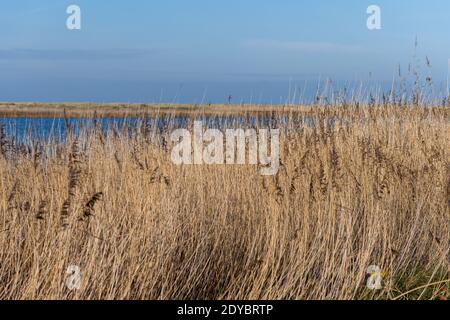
203, 50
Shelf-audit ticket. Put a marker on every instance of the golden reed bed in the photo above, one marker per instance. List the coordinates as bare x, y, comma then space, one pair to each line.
372, 190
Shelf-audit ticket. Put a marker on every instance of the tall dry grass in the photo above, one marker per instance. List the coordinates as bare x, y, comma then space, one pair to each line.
374, 189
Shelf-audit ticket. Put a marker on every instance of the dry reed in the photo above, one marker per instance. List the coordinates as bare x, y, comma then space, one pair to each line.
373, 189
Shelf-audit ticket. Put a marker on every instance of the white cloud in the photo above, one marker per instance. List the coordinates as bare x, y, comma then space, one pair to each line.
306, 47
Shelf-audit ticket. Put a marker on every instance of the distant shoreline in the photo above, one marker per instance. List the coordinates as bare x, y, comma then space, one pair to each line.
73, 109
120, 110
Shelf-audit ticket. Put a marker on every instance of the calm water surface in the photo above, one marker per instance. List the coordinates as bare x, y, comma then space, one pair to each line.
21, 129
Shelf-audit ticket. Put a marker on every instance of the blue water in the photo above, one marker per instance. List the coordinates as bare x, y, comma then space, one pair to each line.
46, 129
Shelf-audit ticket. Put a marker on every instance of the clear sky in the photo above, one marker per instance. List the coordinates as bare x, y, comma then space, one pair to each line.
194, 50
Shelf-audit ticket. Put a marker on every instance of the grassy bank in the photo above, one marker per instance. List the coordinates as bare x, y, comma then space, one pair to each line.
374, 189
75, 110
